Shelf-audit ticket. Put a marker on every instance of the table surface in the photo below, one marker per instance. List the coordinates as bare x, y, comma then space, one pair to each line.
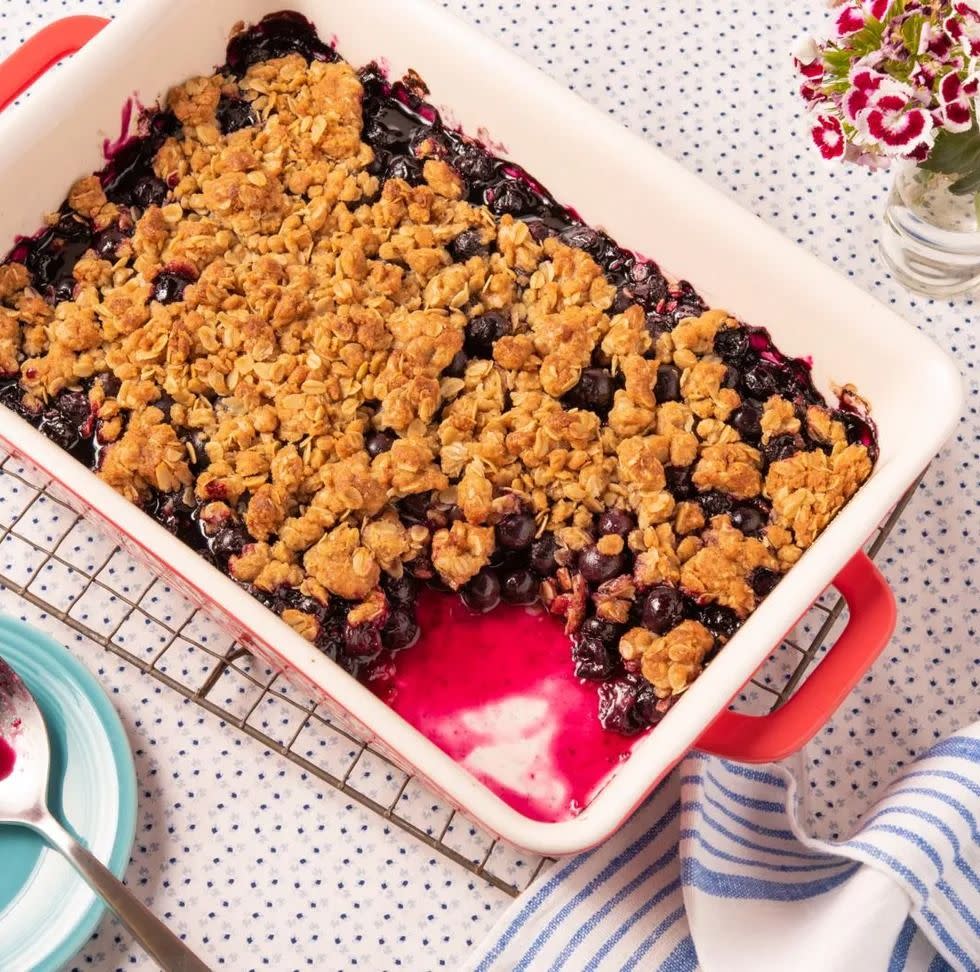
262, 867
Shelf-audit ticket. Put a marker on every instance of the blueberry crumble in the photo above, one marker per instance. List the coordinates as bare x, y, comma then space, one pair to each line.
344, 351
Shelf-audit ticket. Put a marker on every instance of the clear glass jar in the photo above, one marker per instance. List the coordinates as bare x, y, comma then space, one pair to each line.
931, 236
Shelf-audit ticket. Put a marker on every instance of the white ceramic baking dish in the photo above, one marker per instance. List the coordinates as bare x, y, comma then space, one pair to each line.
615, 180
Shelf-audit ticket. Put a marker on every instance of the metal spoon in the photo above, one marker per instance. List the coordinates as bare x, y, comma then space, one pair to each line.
22, 801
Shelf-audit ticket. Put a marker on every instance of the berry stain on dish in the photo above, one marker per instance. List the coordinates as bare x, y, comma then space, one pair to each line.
7, 758
498, 467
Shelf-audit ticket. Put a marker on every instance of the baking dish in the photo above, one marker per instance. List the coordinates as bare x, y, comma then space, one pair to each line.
584, 159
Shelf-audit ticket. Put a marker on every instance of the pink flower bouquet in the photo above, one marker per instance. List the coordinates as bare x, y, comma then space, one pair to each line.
900, 80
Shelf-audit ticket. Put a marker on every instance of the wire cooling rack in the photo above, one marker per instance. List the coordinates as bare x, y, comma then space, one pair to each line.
66, 569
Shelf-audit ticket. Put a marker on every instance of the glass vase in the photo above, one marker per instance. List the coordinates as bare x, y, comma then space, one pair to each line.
931, 236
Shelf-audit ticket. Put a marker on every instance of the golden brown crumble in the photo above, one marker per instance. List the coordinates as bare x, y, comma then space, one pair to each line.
808, 489
672, 662
325, 307
721, 569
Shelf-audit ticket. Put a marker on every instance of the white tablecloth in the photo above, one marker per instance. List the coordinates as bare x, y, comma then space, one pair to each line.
263, 868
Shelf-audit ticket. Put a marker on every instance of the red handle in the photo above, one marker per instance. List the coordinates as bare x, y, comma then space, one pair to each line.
763, 739
45, 48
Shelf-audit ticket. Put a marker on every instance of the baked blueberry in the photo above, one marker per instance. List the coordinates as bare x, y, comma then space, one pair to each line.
468, 244
106, 242
594, 391
628, 705
758, 381
542, 559
597, 567
592, 659
234, 114
400, 630
475, 164
617, 521
378, 441
149, 191
714, 503
400, 591
60, 430
679, 483
663, 609
763, 580
457, 367
482, 592
169, 285
667, 387
76, 409
749, 519
509, 196
515, 531
404, 167
731, 344
519, 586
482, 331
362, 641
604, 631
783, 447
414, 508
719, 620
230, 541
747, 421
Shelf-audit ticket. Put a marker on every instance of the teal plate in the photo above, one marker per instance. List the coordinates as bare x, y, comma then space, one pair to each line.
47, 912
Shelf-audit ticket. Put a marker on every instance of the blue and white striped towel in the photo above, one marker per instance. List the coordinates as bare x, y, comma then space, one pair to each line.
715, 873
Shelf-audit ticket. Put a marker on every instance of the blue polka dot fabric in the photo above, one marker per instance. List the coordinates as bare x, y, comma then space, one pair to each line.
261, 865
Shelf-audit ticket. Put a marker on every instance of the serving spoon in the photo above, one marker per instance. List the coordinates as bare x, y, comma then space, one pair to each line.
25, 759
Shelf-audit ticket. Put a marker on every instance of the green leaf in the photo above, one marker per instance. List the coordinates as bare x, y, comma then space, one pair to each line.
912, 33
969, 184
954, 152
867, 39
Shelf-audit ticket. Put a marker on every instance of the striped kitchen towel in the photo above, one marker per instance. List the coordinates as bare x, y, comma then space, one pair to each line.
716, 873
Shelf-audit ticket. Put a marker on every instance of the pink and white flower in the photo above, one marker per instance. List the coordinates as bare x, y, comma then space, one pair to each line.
955, 111
828, 136
897, 125
865, 85
807, 59
964, 29
850, 21
856, 15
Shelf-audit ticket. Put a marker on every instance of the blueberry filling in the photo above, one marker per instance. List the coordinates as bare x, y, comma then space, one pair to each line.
128, 179
276, 35
50, 257
628, 705
403, 130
